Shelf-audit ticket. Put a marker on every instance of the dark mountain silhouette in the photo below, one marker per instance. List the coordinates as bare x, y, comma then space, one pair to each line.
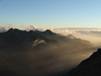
89, 67
17, 37
39, 53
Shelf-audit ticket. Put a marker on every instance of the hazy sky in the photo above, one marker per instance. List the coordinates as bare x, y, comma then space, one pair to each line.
51, 12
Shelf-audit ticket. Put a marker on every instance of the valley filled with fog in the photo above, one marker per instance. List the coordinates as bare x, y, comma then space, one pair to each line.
45, 51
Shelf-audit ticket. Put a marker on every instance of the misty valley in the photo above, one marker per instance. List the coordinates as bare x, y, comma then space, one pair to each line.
43, 53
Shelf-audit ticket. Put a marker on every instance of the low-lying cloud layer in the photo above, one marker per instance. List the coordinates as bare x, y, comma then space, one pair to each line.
91, 34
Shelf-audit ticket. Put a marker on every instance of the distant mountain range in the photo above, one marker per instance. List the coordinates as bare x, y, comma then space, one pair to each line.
90, 34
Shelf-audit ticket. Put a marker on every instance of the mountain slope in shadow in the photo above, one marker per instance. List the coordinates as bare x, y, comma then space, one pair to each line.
89, 67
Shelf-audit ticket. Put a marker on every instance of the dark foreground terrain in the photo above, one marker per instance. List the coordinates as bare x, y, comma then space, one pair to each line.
89, 67
44, 53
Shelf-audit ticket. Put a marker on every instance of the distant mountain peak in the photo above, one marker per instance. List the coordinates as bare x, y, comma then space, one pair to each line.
49, 31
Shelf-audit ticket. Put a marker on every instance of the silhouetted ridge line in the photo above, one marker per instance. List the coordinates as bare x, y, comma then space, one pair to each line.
90, 66
19, 37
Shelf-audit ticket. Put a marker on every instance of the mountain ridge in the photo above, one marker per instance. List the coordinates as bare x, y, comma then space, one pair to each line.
89, 67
